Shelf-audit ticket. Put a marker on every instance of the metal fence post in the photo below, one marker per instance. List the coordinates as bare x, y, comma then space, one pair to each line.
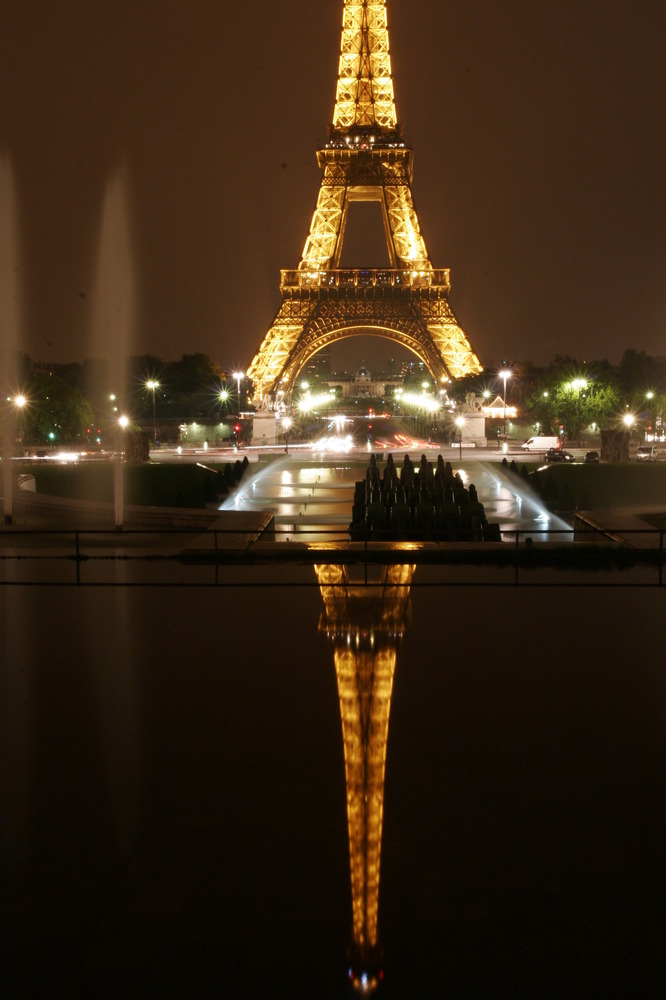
516, 554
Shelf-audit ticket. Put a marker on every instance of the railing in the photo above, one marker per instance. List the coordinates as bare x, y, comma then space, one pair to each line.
181, 557
367, 278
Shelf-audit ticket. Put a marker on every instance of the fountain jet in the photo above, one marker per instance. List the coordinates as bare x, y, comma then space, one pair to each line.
9, 325
114, 312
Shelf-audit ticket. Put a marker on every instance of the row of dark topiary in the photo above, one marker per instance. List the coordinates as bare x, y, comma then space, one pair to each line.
418, 505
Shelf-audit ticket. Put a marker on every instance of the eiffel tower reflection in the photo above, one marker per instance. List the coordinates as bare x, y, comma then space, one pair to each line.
364, 622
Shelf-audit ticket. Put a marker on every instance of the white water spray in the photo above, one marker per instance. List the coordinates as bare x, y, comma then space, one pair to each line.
246, 486
114, 312
531, 507
9, 325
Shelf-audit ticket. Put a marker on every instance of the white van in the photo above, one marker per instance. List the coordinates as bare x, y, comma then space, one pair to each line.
540, 443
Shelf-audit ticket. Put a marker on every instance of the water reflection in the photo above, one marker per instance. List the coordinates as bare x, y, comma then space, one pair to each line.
364, 623
315, 501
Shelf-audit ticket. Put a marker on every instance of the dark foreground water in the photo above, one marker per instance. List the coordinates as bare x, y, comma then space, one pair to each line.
172, 814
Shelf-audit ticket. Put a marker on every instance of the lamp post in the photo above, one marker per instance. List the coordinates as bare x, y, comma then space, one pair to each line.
459, 424
19, 402
239, 376
504, 375
152, 385
118, 484
650, 396
579, 384
628, 420
286, 423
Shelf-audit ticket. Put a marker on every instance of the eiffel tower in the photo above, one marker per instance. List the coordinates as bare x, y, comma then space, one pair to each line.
364, 621
365, 159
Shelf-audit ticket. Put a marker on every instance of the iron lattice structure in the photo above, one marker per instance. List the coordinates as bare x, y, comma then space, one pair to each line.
364, 624
365, 159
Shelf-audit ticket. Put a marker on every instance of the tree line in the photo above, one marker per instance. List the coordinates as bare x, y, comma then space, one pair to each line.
573, 394
80, 401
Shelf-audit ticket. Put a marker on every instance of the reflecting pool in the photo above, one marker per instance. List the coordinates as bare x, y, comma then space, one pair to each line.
177, 782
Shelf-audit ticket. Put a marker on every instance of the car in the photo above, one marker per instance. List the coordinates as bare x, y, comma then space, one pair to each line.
591, 456
559, 455
646, 453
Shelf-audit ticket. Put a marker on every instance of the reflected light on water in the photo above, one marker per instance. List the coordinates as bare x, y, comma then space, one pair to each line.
364, 624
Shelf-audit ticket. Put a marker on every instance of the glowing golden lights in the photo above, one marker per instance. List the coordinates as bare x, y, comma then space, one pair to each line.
364, 160
364, 624
364, 94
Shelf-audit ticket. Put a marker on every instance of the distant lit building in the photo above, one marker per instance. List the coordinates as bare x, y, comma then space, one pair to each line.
497, 410
363, 385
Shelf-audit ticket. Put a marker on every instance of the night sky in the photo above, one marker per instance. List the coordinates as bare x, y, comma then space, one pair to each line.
539, 140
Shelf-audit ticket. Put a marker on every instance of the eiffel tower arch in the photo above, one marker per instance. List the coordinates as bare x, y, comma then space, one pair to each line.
364, 160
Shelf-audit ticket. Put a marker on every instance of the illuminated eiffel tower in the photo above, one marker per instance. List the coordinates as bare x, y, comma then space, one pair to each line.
365, 159
364, 624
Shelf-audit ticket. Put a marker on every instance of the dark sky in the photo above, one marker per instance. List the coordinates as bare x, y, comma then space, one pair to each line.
539, 137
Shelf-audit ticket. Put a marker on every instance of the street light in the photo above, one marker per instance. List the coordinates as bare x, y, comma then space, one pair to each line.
459, 423
579, 384
504, 375
239, 376
286, 423
152, 385
650, 396
19, 402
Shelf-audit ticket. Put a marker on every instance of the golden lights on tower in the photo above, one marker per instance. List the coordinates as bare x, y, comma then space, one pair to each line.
365, 159
364, 94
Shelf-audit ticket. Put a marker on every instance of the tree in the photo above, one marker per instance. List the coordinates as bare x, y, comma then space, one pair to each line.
190, 387
55, 411
637, 371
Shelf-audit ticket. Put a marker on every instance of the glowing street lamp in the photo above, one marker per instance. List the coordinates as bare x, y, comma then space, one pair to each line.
239, 376
504, 375
152, 385
286, 423
460, 421
19, 403
578, 384
650, 396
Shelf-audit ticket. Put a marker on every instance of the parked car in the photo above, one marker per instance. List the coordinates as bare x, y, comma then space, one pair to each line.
559, 455
646, 453
591, 456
